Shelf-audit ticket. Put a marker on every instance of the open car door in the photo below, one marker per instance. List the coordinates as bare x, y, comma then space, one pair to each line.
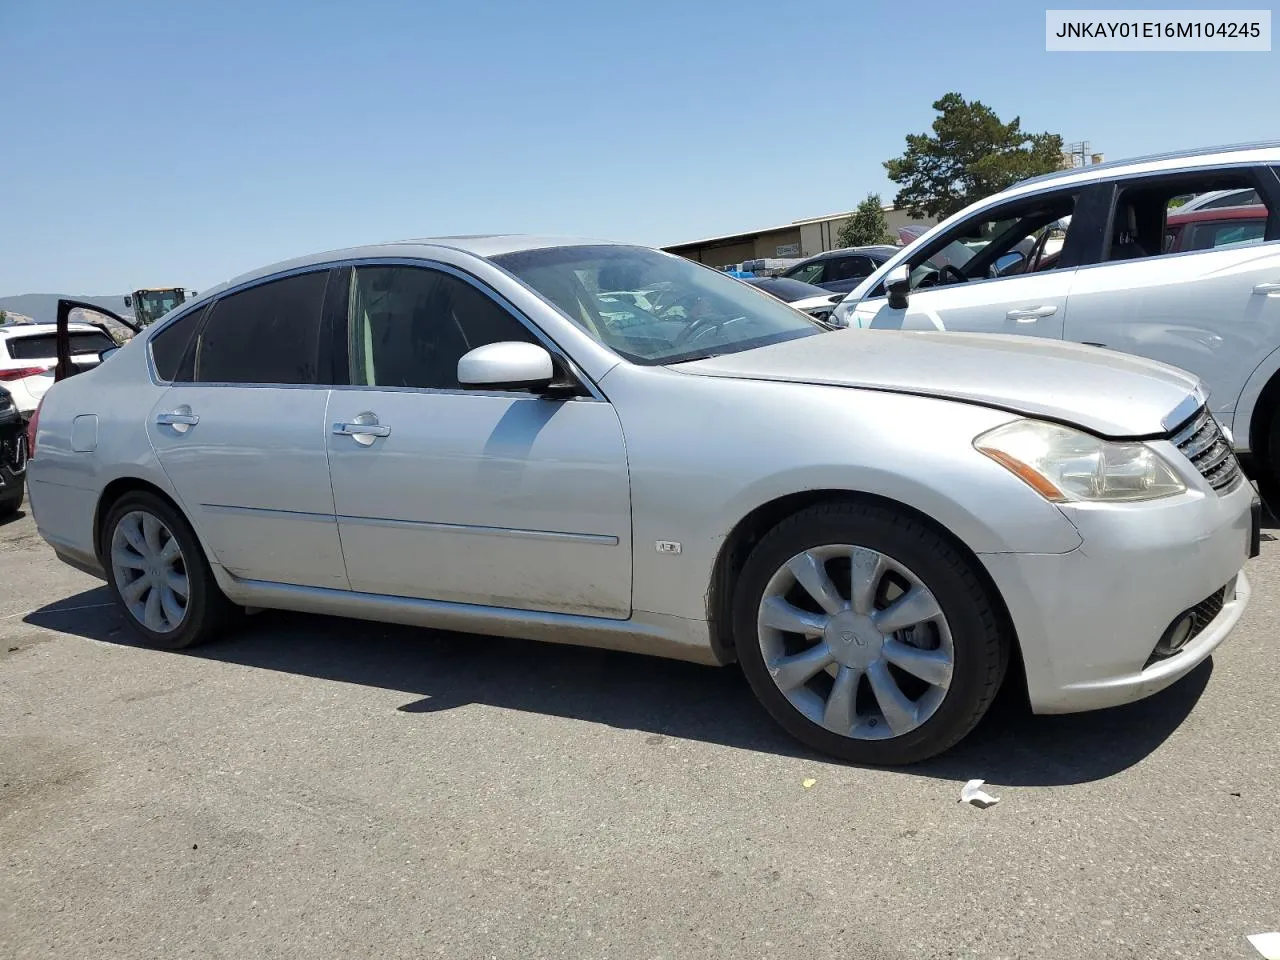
66, 367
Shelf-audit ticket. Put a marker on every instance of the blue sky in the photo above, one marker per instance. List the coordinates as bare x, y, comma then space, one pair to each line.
146, 143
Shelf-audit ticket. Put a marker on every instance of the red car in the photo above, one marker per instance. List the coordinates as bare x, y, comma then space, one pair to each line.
1205, 229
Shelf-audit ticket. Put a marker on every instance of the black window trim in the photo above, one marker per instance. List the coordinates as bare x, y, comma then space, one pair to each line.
339, 343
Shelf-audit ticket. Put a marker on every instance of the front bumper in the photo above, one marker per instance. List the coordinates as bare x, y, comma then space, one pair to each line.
1088, 621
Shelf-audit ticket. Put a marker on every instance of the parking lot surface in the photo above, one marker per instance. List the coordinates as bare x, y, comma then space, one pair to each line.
315, 787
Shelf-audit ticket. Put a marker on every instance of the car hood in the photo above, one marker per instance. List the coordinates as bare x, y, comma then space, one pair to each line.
1108, 393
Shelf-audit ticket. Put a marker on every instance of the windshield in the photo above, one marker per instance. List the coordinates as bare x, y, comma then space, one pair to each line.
150, 306
687, 311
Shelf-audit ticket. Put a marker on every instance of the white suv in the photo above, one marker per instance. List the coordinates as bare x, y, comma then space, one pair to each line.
28, 355
1081, 255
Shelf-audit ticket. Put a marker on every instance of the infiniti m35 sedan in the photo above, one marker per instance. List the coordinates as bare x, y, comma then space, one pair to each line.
469, 433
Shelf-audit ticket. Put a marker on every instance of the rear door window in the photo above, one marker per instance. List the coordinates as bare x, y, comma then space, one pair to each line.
44, 346
266, 334
1139, 219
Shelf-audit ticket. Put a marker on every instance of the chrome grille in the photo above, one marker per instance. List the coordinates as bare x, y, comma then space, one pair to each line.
1202, 442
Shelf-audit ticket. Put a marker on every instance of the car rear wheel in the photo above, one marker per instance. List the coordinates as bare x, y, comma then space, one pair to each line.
159, 574
867, 635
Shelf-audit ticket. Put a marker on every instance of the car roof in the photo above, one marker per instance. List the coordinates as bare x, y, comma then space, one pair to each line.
483, 245
1267, 151
1248, 211
32, 329
884, 248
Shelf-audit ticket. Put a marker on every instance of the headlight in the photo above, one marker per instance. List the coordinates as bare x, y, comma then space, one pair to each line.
840, 315
1062, 464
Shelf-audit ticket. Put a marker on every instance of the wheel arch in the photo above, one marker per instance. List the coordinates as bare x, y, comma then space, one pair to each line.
1256, 406
111, 495
754, 525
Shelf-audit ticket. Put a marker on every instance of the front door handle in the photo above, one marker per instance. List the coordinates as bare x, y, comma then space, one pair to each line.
1031, 314
181, 419
364, 429
1266, 289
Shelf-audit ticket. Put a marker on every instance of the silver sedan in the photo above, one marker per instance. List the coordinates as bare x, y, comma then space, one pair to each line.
602, 444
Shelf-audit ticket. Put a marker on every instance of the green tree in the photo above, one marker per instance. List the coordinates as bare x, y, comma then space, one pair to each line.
971, 155
866, 226
4, 318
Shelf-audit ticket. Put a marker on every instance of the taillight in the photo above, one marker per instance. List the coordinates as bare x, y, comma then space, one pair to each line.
23, 372
32, 425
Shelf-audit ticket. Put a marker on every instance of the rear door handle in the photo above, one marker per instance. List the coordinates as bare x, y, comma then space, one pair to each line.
364, 429
181, 422
1266, 289
361, 430
1031, 314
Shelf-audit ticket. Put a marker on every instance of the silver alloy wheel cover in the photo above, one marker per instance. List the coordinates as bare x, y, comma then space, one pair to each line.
855, 641
150, 571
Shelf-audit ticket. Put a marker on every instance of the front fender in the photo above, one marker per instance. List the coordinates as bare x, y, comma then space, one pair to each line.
705, 452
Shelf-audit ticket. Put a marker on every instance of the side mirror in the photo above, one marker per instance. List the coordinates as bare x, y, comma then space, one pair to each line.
128, 301
509, 365
1007, 264
897, 284
107, 352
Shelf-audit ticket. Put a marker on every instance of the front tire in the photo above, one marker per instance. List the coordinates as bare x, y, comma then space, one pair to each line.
159, 575
867, 635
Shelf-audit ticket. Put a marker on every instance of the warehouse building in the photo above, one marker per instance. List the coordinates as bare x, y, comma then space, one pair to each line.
800, 238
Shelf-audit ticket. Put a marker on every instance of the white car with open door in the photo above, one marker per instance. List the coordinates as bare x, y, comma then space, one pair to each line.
1214, 311
28, 354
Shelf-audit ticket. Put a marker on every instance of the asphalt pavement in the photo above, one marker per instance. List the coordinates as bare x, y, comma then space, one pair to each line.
318, 788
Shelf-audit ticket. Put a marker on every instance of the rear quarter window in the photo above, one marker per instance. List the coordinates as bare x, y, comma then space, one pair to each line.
169, 346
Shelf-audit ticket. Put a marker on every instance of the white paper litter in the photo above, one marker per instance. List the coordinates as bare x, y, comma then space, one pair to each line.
1267, 944
973, 793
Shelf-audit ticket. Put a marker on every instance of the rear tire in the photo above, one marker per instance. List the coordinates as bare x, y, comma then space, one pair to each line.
159, 575
883, 607
1266, 469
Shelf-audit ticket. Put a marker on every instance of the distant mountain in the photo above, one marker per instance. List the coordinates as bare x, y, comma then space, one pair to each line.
43, 307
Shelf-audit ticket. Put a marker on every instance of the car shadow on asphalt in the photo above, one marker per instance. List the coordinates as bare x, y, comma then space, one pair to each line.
441, 670
13, 518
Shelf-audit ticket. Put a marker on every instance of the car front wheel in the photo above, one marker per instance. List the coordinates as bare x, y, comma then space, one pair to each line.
867, 635
159, 574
